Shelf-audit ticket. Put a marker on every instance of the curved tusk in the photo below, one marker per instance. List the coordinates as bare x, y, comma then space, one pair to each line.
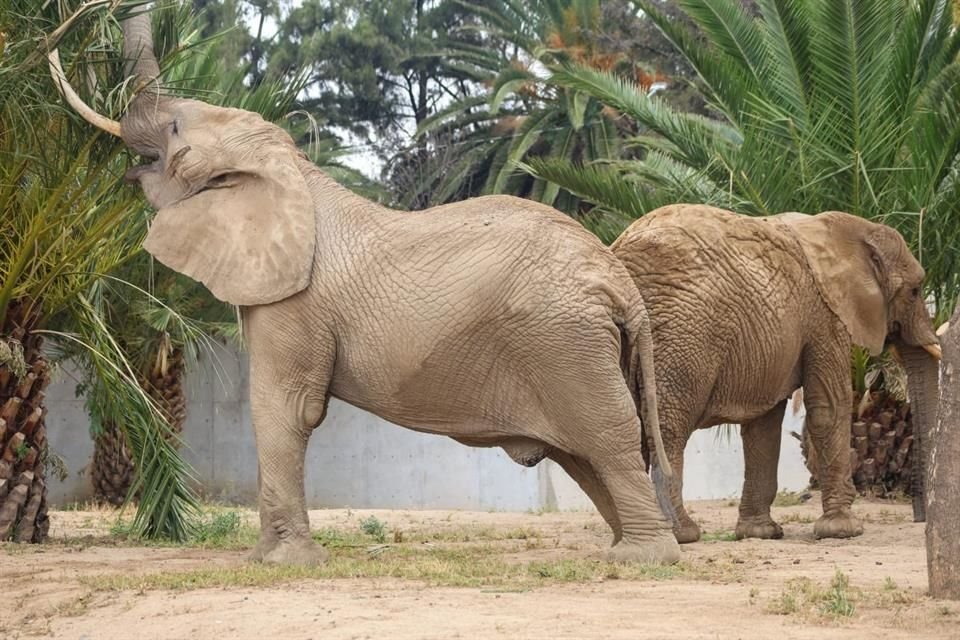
934, 350
88, 114
943, 329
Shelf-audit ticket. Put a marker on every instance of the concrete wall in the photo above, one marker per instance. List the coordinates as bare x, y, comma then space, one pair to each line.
358, 460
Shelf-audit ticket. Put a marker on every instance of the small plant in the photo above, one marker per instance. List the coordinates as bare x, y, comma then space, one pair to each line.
374, 528
837, 602
21, 451
889, 584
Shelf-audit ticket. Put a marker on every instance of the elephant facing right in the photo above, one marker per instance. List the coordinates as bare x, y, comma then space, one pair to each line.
747, 310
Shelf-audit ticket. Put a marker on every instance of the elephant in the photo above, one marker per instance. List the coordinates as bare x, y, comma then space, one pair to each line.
746, 311
495, 321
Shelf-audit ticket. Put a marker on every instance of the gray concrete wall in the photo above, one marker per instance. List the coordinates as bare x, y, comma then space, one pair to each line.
357, 460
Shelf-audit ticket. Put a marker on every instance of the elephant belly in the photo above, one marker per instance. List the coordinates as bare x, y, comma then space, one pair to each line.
739, 398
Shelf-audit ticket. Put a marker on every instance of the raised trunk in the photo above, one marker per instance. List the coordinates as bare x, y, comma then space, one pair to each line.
138, 48
147, 111
23, 440
922, 384
943, 497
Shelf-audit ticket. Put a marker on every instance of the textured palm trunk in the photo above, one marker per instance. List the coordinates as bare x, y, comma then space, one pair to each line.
113, 470
943, 496
24, 374
923, 385
881, 446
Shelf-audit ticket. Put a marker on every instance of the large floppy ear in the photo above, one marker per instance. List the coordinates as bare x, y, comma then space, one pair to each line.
249, 236
848, 270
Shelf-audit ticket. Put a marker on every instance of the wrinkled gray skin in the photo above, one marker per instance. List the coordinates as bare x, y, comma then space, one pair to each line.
495, 321
746, 310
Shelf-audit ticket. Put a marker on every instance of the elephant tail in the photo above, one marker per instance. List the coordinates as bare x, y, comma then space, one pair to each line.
637, 360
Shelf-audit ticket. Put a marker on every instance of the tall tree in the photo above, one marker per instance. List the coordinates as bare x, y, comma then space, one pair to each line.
372, 67
943, 505
517, 115
65, 221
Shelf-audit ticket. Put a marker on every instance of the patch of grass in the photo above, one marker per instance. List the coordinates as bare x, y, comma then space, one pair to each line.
803, 597
718, 536
217, 529
789, 499
797, 518
337, 538
480, 565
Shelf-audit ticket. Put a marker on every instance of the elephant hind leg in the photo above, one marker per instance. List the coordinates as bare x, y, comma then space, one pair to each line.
761, 453
615, 479
585, 476
685, 530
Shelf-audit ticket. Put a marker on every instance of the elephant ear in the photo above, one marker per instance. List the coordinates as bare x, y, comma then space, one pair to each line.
848, 271
249, 236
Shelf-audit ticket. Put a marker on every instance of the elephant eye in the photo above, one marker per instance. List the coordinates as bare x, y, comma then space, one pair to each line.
175, 128
915, 292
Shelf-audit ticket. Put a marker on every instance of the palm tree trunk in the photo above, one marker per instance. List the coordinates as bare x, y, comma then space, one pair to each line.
24, 375
113, 471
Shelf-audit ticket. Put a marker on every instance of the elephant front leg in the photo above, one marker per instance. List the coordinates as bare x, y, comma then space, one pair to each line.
282, 433
827, 396
761, 454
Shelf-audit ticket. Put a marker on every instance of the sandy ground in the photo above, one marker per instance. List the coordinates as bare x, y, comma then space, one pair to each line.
47, 590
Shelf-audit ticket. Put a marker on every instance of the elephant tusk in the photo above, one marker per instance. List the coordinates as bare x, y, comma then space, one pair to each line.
943, 329
934, 350
88, 114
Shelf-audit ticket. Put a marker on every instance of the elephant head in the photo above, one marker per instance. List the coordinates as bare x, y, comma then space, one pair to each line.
870, 280
233, 209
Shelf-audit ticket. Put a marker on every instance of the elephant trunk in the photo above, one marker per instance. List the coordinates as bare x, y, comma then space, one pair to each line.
140, 61
923, 372
148, 110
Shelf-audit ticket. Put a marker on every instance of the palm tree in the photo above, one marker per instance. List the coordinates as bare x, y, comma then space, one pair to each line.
821, 105
65, 221
480, 138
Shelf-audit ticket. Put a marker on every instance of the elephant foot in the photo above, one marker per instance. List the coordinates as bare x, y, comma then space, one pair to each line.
686, 531
663, 549
840, 524
759, 527
305, 553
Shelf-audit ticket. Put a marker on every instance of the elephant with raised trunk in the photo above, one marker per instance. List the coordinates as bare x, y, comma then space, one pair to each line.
495, 321
747, 310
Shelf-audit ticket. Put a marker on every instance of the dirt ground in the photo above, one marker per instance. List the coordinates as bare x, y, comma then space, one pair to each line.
454, 574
